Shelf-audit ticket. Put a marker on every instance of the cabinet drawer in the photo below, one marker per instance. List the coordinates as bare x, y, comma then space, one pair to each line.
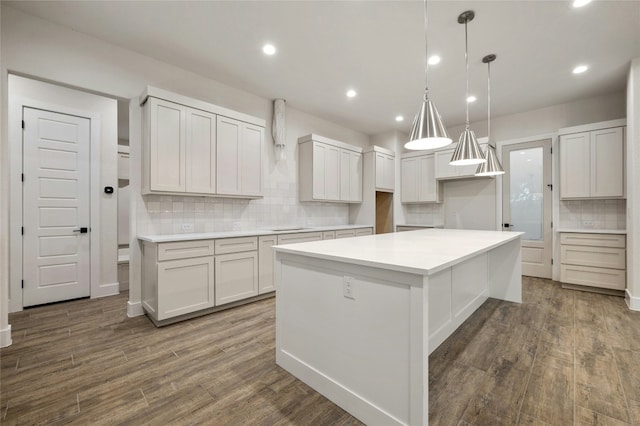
184, 249
604, 257
364, 231
345, 233
236, 245
597, 240
329, 235
594, 277
299, 238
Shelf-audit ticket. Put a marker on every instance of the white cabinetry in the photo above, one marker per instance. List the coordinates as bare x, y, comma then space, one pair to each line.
266, 260
302, 237
236, 269
123, 162
192, 147
178, 278
385, 172
419, 184
594, 260
360, 232
345, 233
592, 162
239, 162
444, 170
329, 170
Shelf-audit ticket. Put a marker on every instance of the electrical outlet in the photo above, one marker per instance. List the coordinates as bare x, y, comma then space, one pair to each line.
187, 226
347, 287
587, 223
236, 226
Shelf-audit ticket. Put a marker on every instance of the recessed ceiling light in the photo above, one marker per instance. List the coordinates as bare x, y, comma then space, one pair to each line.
435, 59
580, 69
269, 49
580, 3
399, 118
351, 93
471, 99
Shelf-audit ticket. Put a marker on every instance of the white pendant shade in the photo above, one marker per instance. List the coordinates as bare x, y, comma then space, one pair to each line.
468, 151
492, 166
427, 131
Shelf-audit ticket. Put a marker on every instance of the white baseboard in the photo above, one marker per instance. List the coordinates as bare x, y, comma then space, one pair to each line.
5, 337
103, 290
134, 309
632, 302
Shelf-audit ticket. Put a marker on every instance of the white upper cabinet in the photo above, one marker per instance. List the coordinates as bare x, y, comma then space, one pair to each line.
592, 161
329, 170
165, 147
191, 147
385, 172
419, 183
239, 158
200, 151
444, 170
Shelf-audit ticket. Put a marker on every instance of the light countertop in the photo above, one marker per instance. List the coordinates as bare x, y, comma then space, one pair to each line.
421, 225
250, 233
592, 231
423, 251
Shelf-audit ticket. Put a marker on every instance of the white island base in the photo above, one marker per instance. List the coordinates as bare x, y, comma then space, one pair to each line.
356, 319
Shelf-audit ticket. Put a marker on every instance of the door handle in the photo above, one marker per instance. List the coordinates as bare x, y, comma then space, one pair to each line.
81, 230
507, 225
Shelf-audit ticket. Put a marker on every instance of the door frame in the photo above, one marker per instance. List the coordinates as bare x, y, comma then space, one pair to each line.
16, 105
555, 194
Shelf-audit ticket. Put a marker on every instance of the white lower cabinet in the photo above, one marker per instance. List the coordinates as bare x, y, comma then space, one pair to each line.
173, 284
594, 260
345, 233
364, 231
236, 276
266, 259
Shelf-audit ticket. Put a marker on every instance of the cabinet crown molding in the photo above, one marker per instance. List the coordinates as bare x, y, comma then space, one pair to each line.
592, 126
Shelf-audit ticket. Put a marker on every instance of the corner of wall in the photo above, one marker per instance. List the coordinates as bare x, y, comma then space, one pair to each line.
5, 337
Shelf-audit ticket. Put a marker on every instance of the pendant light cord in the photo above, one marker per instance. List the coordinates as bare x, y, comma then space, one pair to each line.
489, 103
466, 59
426, 54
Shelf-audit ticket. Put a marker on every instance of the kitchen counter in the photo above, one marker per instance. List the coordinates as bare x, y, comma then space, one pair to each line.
250, 233
424, 252
593, 231
356, 319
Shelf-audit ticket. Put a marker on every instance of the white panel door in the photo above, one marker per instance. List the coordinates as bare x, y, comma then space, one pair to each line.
355, 175
332, 173
575, 160
319, 181
526, 205
251, 160
228, 140
409, 169
266, 261
236, 276
56, 257
427, 188
201, 151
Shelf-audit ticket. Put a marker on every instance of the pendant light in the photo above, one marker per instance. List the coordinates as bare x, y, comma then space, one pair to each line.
468, 151
427, 130
492, 167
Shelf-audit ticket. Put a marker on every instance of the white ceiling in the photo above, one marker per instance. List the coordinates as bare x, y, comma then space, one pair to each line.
377, 48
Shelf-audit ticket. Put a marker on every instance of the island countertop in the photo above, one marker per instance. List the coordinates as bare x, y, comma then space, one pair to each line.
422, 252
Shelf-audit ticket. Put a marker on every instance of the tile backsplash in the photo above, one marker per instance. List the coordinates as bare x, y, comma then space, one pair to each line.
598, 214
424, 214
164, 214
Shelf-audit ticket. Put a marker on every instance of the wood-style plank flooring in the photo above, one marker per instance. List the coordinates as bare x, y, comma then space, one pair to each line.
562, 357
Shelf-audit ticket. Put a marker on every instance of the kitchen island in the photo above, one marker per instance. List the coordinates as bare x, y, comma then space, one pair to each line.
356, 319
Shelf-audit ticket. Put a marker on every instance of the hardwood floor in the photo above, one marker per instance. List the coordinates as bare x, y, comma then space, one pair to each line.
562, 357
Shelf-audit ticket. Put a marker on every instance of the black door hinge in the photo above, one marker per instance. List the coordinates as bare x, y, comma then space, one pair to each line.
551, 149
22, 283
552, 261
22, 176
550, 186
22, 230
23, 124
552, 224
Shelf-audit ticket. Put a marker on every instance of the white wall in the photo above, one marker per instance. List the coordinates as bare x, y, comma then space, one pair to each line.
35, 47
633, 185
5, 328
470, 204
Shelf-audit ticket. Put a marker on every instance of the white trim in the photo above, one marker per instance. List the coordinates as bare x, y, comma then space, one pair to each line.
16, 105
312, 137
632, 302
104, 290
134, 309
376, 148
158, 93
5, 337
593, 126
